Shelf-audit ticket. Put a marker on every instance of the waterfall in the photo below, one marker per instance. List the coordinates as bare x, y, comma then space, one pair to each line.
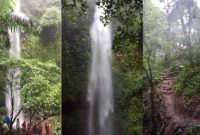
100, 91
13, 88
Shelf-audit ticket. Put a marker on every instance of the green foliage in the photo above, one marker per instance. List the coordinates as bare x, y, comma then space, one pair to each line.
51, 16
44, 42
154, 19
79, 5
187, 81
40, 84
128, 103
177, 67
192, 130
6, 6
193, 87
76, 51
156, 75
49, 25
155, 25
39, 76
127, 54
7, 21
180, 81
155, 44
57, 126
121, 9
127, 42
32, 48
39, 95
36, 92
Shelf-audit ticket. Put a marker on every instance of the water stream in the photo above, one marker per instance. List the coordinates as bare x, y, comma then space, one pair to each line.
13, 88
100, 91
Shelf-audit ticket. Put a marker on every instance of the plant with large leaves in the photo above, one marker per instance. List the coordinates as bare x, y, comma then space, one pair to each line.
9, 21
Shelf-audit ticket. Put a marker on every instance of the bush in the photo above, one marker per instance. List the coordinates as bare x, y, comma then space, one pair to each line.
129, 101
193, 86
57, 127
181, 80
187, 81
177, 67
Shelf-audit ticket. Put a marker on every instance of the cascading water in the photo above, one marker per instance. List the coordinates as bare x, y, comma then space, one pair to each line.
13, 89
100, 91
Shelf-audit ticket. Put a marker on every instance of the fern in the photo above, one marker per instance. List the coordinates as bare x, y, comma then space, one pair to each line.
6, 6
7, 21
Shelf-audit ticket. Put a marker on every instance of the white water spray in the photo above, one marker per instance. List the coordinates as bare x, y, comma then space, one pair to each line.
100, 91
13, 88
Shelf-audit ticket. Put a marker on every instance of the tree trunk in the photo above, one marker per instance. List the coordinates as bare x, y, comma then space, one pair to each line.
189, 38
152, 94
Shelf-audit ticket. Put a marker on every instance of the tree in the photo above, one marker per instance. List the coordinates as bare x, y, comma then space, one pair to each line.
13, 88
41, 99
44, 42
184, 11
40, 87
154, 26
41, 90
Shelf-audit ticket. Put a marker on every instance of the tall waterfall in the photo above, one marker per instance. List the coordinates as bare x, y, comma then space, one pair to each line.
100, 91
13, 88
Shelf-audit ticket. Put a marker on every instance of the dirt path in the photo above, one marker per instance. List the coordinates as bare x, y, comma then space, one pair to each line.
175, 119
164, 90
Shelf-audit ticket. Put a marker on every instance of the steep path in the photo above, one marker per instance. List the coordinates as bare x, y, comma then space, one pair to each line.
175, 119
